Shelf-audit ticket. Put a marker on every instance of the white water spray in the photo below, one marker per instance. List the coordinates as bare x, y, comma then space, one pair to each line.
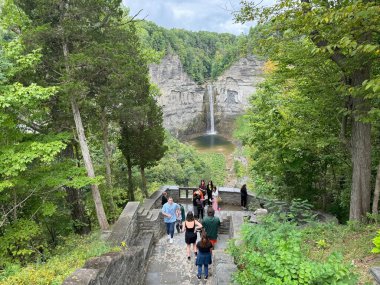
212, 124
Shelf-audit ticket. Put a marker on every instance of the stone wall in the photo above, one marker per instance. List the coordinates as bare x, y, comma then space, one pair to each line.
113, 268
231, 196
128, 266
126, 227
186, 104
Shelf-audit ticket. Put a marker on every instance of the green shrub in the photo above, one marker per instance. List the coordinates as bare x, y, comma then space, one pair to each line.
239, 169
298, 211
272, 253
21, 242
376, 242
67, 258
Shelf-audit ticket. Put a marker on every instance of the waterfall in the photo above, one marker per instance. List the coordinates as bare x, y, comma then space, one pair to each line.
211, 99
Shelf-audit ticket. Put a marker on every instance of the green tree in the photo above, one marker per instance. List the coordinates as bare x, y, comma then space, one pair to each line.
67, 47
204, 55
352, 47
150, 146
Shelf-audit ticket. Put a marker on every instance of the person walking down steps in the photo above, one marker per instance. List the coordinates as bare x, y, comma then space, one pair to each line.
204, 257
170, 210
211, 225
189, 226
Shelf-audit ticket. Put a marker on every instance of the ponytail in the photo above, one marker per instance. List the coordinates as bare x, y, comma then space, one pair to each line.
204, 239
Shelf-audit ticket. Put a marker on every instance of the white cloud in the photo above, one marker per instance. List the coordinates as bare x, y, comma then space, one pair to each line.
180, 13
195, 15
234, 28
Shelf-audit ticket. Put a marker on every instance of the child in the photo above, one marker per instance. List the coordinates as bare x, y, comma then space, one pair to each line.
204, 257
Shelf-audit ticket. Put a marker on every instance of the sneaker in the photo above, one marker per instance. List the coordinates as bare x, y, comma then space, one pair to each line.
171, 240
206, 277
188, 258
195, 253
199, 277
168, 237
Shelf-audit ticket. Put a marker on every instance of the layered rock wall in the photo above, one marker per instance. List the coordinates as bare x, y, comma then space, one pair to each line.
186, 104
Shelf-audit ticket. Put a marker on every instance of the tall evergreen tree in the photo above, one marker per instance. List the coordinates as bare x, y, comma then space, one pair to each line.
67, 32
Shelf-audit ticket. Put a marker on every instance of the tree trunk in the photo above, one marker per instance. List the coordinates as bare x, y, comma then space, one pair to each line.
131, 194
81, 222
143, 182
101, 215
361, 154
375, 209
107, 160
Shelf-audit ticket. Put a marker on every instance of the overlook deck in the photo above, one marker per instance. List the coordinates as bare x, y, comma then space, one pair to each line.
169, 265
149, 258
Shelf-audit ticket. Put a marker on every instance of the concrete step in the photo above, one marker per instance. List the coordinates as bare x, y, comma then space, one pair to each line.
140, 210
155, 214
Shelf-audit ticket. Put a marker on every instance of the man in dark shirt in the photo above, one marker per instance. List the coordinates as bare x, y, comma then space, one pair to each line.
211, 225
164, 198
244, 195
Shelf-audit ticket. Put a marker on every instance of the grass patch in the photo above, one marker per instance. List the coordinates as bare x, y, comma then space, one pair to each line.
67, 258
354, 241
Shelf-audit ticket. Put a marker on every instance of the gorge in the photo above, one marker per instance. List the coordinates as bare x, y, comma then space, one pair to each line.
191, 109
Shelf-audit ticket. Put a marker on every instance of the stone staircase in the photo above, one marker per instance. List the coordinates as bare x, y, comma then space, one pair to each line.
225, 226
225, 219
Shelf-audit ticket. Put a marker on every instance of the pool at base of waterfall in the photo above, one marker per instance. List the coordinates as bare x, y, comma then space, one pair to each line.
212, 143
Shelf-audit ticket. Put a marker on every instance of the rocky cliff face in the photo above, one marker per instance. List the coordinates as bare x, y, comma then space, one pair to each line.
186, 105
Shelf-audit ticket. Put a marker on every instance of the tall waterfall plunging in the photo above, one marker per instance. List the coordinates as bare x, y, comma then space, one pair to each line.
211, 100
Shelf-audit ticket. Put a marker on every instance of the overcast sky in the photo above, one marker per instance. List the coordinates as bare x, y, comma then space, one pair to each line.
193, 15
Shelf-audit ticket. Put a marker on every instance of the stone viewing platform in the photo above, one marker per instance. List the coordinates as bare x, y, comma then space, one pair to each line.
149, 258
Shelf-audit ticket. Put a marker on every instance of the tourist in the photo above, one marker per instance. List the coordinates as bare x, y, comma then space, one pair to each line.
199, 192
180, 217
244, 196
170, 212
202, 187
211, 225
164, 198
189, 226
209, 188
197, 195
198, 206
204, 257
215, 197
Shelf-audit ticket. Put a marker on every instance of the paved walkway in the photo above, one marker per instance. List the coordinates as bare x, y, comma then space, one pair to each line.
169, 265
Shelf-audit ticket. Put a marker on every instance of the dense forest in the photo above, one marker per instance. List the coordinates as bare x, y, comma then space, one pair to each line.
312, 134
204, 55
81, 133
313, 127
